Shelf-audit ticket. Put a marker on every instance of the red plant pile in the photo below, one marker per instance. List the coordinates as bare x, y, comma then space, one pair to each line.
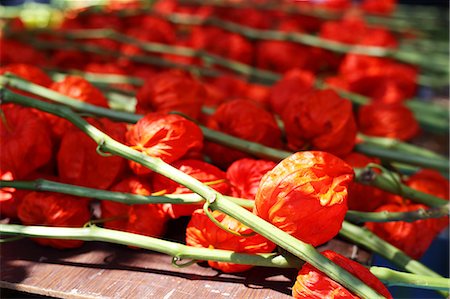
306, 195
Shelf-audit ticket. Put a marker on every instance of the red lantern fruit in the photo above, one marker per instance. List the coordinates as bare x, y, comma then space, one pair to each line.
25, 141
313, 284
294, 84
168, 137
8, 200
28, 72
431, 182
203, 233
202, 171
322, 120
294, 56
243, 119
80, 164
384, 7
380, 79
143, 219
223, 43
171, 91
363, 197
245, 175
306, 196
15, 52
78, 88
54, 209
413, 238
388, 120
355, 31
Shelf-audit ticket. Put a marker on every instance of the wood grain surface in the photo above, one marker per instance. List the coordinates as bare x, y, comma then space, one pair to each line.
102, 270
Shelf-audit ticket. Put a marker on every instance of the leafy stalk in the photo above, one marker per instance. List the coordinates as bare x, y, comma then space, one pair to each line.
397, 145
390, 182
122, 197
180, 251
440, 164
397, 278
216, 201
361, 217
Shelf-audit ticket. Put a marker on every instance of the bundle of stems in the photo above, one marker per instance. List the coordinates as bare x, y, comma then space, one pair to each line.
436, 62
259, 75
217, 202
438, 211
181, 252
395, 22
381, 147
431, 117
271, 260
430, 61
385, 180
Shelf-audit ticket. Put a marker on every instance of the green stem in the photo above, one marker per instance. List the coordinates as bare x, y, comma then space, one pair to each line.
300, 249
98, 50
98, 78
126, 198
52, 95
369, 240
361, 217
388, 182
432, 81
397, 278
403, 157
424, 44
94, 233
394, 144
416, 106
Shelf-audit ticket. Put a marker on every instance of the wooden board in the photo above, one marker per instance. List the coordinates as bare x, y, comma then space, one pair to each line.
102, 270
